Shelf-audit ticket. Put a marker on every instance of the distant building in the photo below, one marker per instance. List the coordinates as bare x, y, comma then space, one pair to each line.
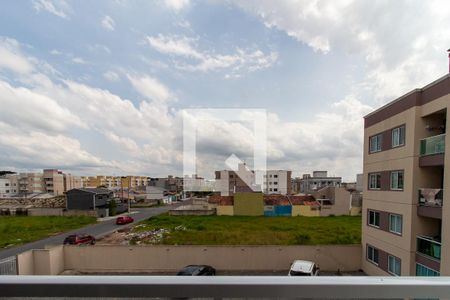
244, 180
359, 182
277, 182
94, 199
123, 182
317, 181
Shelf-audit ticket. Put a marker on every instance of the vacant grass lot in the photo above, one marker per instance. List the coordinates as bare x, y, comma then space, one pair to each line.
234, 230
23, 229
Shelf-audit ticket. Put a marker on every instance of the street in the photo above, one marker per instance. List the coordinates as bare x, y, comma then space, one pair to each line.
98, 230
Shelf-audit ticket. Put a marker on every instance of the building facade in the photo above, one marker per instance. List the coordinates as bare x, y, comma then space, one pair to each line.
317, 181
277, 182
406, 216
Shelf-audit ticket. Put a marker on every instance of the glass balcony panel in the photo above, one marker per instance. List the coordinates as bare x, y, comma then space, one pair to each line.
432, 145
429, 246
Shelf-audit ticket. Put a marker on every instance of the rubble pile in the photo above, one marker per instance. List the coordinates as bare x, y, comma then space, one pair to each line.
54, 202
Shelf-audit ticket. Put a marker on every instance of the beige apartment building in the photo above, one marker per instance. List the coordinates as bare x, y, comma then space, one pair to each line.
406, 207
115, 181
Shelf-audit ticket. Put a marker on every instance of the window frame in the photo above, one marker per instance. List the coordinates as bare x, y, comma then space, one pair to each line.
376, 181
369, 211
396, 259
401, 134
391, 181
379, 140
390, 223
369, 248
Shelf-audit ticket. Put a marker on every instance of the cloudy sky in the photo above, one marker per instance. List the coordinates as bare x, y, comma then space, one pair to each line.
100, 88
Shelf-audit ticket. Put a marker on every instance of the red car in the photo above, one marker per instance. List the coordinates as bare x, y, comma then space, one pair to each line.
76, 239
124, 220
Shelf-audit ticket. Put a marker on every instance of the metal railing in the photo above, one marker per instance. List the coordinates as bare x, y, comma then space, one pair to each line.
429, 247
8, 266
432, 145
219, 287
431, 197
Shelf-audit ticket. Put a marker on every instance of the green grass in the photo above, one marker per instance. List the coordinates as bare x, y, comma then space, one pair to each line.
234, 230
23, 229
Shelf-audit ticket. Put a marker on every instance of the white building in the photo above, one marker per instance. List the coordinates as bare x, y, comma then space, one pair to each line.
317, 181
277, 182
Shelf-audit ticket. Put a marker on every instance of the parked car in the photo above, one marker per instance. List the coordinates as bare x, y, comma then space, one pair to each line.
197, 270
124, 220
77, 239
303, 268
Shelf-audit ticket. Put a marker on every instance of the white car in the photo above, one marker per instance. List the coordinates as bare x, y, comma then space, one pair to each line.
303, 268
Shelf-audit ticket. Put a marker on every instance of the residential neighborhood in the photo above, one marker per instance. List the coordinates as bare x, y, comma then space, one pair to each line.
283, 149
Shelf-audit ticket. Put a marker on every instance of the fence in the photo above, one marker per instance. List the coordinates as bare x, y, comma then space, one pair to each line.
8, 266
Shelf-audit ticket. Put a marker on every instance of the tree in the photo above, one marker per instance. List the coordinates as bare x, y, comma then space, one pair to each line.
112, 207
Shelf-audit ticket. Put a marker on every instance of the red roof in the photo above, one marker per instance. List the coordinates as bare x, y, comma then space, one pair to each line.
303, 200
276, 199
221, 200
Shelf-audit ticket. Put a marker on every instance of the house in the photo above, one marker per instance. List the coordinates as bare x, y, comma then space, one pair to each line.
277, 205
338, 201
304, 205
94, 199
224, 205
248, 204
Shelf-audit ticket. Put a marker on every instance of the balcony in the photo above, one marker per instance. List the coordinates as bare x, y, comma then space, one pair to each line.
431, 247
432, 151
430, 203
220, 287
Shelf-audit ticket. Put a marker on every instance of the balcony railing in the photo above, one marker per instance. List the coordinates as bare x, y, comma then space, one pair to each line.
432, 145
218, 287
429, 247
431, 197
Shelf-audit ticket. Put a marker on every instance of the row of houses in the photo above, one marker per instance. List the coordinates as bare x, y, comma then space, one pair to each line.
325, 202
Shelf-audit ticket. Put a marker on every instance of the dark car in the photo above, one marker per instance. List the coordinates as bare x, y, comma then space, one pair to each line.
124, 220
197, 270
77, 239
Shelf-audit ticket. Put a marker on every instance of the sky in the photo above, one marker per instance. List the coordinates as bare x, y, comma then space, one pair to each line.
102, 88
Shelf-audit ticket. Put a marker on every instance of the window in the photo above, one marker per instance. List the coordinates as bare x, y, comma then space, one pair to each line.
270, 175
275, 176
394, 265
372, 254
275, 182
374, 218
7, 191
270, 189
6, 184
375, 143
275, 190
398, 136
397, 180
421, 270
374, 181
395, 223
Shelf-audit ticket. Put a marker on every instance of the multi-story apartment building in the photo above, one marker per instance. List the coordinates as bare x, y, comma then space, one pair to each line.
50, 181
7, 187
277, 182
406, 208
115, 181
317, 181
274, 181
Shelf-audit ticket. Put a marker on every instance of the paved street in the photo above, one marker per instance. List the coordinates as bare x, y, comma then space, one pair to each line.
98, 230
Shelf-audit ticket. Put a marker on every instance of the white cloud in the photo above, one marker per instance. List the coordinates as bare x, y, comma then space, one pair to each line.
150, 88
55, 52
30, 110
79, 60
59, 8
176, 5
11, 58
243, 60
111, 76
400, 54
33, 149
108, 23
